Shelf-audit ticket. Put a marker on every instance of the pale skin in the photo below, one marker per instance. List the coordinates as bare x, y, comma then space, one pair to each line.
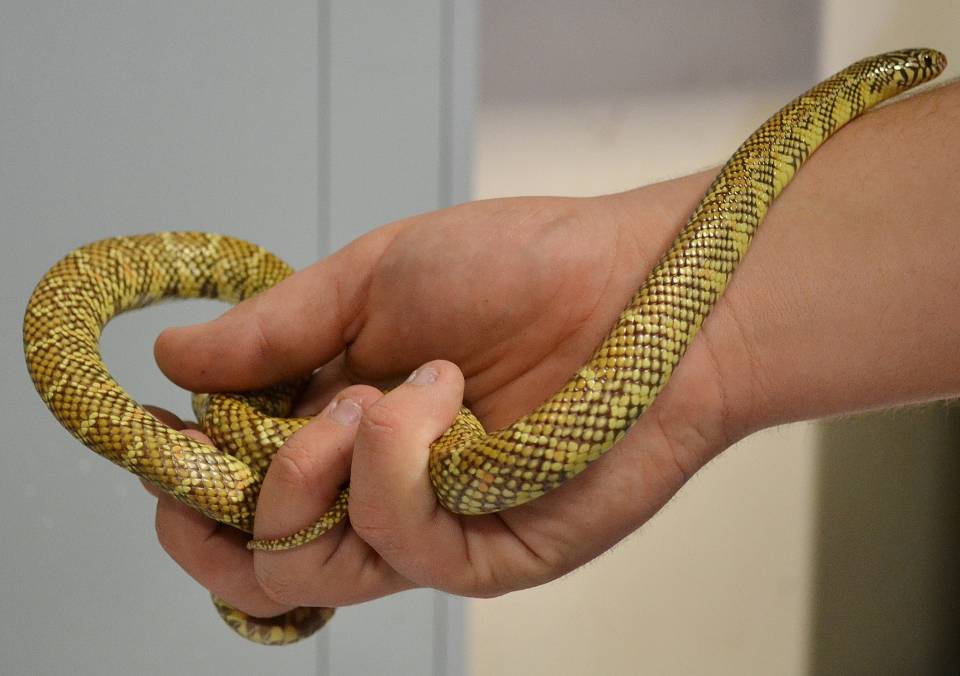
847, 300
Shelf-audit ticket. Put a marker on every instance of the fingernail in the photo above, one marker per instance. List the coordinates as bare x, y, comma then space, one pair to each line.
425, 375
345, 412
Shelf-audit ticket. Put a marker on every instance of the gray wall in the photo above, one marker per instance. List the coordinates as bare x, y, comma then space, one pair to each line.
122, 118
398, 100
261, 120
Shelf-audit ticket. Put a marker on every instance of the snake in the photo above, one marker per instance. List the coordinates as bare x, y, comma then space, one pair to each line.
472, 471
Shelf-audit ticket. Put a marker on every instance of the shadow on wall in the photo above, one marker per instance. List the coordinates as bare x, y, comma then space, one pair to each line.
887, 586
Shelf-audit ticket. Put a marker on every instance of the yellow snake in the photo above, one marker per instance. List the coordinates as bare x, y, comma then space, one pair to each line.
473, 472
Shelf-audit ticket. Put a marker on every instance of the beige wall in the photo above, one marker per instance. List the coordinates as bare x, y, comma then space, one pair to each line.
852, 28
807, 549
712, 584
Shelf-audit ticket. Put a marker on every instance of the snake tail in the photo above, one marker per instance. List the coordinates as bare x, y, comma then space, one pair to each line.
472, 472
62, 326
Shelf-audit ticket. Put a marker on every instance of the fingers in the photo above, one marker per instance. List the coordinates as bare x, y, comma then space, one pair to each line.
392, 504
303, 481
307, 472
168, 418
213, 555
282, 333
325, 384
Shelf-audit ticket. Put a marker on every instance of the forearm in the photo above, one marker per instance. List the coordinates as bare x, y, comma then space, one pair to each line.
847, 300
850, 295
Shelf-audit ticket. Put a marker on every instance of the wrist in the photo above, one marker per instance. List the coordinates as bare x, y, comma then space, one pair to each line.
709, 401
846, 300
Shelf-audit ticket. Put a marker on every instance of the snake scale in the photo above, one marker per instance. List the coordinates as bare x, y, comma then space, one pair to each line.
473, 472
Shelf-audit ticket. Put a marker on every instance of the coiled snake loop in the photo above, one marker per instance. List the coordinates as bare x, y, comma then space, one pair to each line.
473, 472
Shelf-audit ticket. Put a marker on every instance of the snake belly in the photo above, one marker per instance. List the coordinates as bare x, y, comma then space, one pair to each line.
472, 472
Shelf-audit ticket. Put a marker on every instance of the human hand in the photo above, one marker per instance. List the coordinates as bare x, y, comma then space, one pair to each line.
817, 321
517, 293
845, 302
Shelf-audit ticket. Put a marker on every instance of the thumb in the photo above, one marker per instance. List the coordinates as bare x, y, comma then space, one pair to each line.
283, 333
392, 503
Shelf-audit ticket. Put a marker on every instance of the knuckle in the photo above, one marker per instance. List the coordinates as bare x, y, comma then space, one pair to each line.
292, 465
263, 347
680, 464
378, 528
475, 589
279, 583
380, 422
479, 581
166, 535
375, 535
437, 573
371, 524
163, 536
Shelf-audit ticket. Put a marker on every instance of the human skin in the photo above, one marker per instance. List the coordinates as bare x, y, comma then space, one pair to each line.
847, 300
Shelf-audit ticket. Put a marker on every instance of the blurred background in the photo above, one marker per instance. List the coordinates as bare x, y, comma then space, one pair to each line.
815, 548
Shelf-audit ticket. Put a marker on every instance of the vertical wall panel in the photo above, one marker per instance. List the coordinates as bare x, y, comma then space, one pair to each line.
399, 110
115, 118
299, 126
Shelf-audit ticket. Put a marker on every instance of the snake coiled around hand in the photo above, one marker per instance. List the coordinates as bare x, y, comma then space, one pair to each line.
473, 472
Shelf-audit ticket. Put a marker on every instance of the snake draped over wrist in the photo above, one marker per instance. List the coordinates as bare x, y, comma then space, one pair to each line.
472, 471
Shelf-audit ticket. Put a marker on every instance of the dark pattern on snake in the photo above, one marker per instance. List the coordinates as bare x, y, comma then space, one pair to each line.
472, 472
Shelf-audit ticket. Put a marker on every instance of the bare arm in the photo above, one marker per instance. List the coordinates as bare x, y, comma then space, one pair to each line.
847, 300
850, 296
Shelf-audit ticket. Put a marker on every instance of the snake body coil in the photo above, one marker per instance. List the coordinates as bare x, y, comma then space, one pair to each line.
473, 472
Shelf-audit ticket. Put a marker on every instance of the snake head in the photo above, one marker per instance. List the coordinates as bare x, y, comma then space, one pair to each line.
916, 65
930, 59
